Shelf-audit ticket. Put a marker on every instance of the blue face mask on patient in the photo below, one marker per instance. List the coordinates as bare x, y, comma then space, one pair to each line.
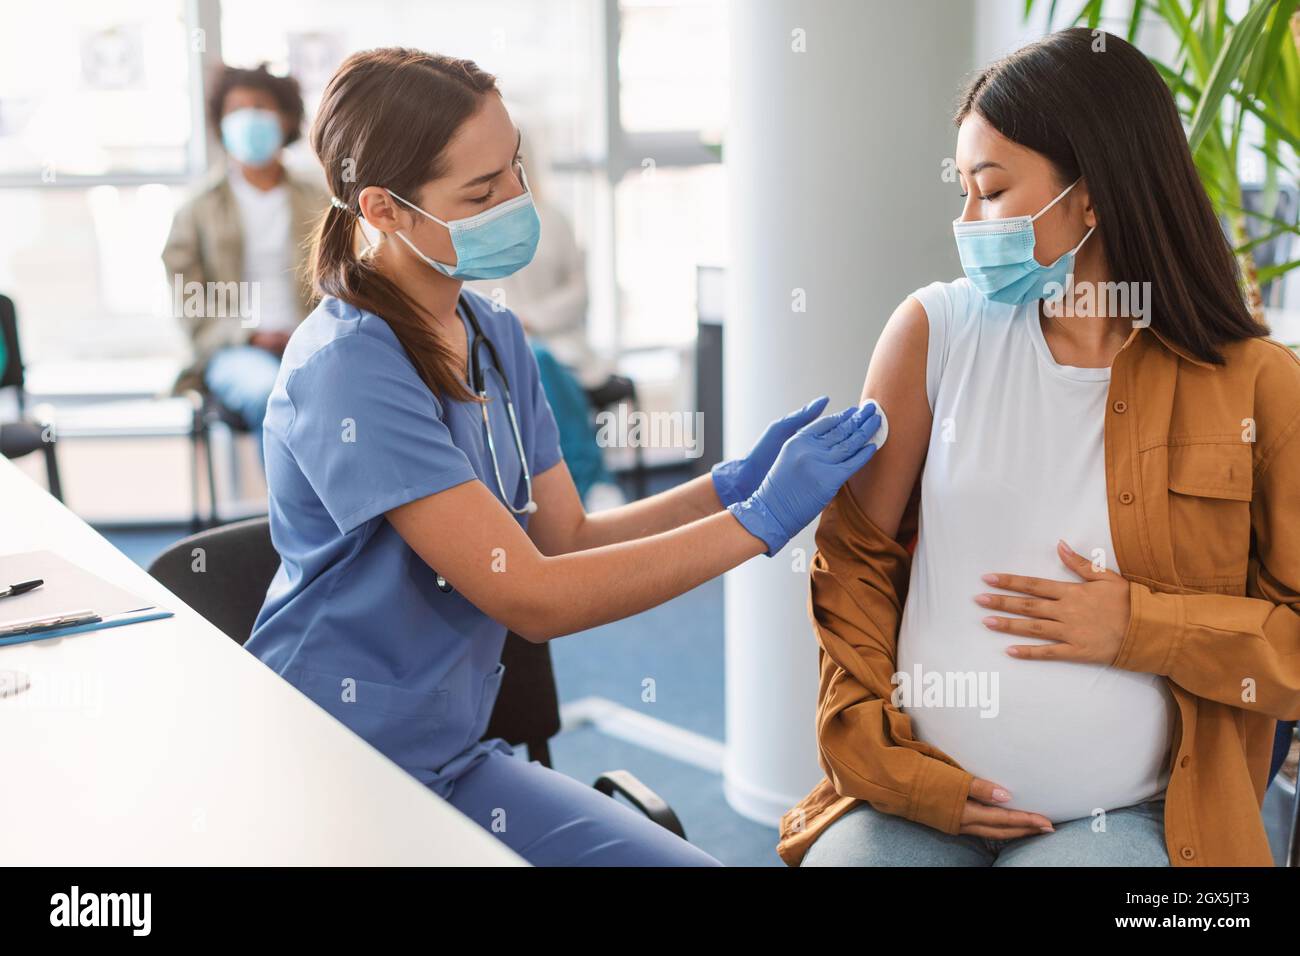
252, 136
998, 257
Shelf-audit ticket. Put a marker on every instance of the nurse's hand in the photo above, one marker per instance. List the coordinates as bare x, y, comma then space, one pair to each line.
980, 818
736, 480
808, 471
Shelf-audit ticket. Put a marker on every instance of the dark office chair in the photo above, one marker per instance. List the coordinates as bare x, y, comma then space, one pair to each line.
25, 435
609, 394
239, 562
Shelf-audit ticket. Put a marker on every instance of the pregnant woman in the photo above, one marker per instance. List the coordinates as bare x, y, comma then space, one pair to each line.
1083, 660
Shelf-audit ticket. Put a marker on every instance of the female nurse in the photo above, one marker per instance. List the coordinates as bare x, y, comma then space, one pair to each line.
418, 498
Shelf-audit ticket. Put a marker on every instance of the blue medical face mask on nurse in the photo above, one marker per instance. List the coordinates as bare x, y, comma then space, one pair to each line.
998, 257
492, 244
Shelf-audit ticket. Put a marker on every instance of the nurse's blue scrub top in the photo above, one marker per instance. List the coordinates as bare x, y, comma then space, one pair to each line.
354, 618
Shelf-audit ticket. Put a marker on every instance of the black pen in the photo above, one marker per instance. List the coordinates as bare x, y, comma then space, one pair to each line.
22, 587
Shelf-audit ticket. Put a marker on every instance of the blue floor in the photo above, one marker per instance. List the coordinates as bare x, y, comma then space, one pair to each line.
678, 646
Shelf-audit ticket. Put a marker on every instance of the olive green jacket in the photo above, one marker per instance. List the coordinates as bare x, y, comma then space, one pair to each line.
206, 244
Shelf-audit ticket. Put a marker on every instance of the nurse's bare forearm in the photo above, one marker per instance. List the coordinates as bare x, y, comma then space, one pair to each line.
477, 545
582, 589
669, 509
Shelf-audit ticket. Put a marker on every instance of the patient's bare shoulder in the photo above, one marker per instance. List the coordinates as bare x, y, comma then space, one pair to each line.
900, 353
896, 379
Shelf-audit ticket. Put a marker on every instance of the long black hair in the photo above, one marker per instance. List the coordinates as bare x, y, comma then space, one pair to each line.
1097, 108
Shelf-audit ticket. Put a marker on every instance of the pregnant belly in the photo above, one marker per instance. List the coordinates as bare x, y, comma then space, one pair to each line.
1066, 739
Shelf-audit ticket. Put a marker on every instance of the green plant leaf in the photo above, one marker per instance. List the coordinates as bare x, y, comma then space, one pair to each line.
1264, 58
1135, 20
1231, 56
1269, 273
1262, 217
1274, 123
1267, 237
1189, 45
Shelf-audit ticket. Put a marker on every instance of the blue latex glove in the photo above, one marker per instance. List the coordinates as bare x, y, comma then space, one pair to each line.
808, 471
739, 478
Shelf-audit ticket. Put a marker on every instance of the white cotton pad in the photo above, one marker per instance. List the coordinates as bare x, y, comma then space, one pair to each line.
883, 431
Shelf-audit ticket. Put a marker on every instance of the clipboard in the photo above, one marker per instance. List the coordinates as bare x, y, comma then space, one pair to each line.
68, 590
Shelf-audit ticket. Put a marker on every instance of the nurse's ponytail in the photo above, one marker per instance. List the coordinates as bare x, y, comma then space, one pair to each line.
384, 120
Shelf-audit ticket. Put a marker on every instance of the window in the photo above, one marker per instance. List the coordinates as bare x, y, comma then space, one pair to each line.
99, 132
101, 138
672, 65
670, 221
669, 184
102, 90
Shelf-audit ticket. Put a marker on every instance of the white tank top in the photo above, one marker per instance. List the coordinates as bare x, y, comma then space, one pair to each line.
1016, 460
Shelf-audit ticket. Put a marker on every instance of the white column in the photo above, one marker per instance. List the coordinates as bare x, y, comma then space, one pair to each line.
840, 125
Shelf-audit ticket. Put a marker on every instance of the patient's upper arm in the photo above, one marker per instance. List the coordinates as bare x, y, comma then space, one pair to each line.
896, 379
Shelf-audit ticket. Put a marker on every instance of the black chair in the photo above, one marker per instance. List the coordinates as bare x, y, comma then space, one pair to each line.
239, 562
608, 394
25, 435
209, 413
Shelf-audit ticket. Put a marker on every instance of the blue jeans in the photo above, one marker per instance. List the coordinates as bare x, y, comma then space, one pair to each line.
1133, 836
553, 820
241, 378
1281, 747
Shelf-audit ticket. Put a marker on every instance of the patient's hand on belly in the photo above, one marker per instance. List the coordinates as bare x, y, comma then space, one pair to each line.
1087, 621
980, 817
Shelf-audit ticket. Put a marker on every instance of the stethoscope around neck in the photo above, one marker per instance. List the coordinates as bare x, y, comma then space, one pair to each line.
478, 382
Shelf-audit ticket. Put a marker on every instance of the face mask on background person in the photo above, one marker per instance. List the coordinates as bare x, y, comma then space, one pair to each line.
492, 244
998, 257
252, 136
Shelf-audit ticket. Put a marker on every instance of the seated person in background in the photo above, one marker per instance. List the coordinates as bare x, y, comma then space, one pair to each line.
249, 223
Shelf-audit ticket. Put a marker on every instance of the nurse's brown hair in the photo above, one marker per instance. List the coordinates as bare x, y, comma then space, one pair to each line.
384, 120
